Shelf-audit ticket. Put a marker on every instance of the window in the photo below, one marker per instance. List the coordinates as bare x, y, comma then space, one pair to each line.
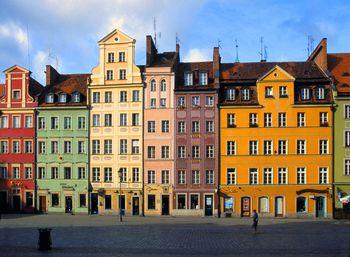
96, 97
301, 119
301, 204
231, 147
253, 147
54, 122
153, 85
181, 101
323, 145
210, 151
188, 79
347, 138
151, 127
123, 147
108, 174
165, 126
49, 98
107, 146
16, 94
76, 97
151, 177
151, 202
135, 175
4, 122
15, 173
283, 91
195, 151
135, 119
181, 151
124, 174
209, 126
282, 147
320, 93
181, 201
305, 94
347, 167
122, 74
165, 177
135, 146
153, 103
230, 94
82, 200
209, 101
203, 78
123, 96
29, 199
67, 173
195, 126
96, 176
67, 147
54, 147
245, 94
181, 177
231, 120
55, 200
268, 92
267, 120
28, 121
3, 147
41, 147
209, 177
81, 173
151, 152
28, 173
3, 173
81, 123
16, 147
16, 121
67, 122
263, 204
163, 85
108, 97
62, 98
41, 173
123, 119
253, 119
181, 127
231, 176
108, 202
301, 176
253, 176
96, 147
195, 177
162, 102
282, 176
96, 120
54, 173
194, 201
282, 119
301, 147
195, 101
165, 152
136, 95
268, 176
323, 119
121, 56
110, 57
268, 147
346, 111
323, 175
28, 146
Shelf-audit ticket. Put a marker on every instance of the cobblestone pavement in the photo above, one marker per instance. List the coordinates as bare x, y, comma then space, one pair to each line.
104, 236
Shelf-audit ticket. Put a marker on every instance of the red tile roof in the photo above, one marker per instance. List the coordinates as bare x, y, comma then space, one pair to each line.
339, 66
2, 90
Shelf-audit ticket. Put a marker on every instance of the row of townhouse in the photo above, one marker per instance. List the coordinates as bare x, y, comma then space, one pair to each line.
178, 138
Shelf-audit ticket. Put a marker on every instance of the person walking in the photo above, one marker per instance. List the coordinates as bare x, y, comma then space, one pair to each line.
255, 220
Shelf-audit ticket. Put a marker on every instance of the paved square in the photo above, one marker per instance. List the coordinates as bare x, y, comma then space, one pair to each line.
104, 236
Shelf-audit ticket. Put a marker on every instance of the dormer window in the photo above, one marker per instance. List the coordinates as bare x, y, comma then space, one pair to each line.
188, 78
305, 94
230, 94
49, 98
76, 97
62, 98
320, 93
245, 94
203, 78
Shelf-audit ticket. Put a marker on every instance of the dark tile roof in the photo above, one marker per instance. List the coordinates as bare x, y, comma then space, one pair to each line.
35, 88
339, 66
195, 68
67, 83
166, 59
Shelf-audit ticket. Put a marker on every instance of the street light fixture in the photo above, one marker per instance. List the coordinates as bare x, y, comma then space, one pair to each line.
120, 172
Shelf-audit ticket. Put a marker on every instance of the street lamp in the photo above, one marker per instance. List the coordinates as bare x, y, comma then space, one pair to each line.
120, 172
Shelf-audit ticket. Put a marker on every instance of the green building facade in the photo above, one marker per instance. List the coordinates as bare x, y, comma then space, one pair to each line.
62, 144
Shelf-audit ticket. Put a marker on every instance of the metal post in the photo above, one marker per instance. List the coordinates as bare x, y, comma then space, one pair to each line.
120, 195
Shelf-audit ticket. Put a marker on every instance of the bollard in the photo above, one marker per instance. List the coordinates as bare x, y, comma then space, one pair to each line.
44, 242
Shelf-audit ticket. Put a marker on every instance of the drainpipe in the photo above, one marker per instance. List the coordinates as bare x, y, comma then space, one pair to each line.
142, 152
35, 162
219, 155
333, 160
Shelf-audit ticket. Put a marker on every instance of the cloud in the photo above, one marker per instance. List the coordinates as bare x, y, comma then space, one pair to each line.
197, 55
40, 60
11, 30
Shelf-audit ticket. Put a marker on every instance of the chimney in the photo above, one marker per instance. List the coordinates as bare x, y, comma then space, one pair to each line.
151, 50
51, 75
216, 65
319, 55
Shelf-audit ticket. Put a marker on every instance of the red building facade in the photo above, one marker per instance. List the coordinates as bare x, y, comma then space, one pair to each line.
18, 100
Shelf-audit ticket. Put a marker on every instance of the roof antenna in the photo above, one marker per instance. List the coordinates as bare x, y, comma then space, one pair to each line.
155, 32
28, 52
236, 45
51, 56
178, 41
310, 45
265, 53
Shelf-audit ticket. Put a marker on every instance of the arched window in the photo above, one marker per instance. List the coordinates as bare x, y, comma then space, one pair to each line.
163, 85
264, 204
50, 98
301, 204
153, 85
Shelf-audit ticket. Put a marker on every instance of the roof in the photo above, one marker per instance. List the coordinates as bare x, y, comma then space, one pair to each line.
166, 59
35, 88
67, 83
237, 72
2, 89
339, 66
194, 67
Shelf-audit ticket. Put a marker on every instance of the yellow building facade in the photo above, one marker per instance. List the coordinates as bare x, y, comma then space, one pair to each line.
116, 135
276, 140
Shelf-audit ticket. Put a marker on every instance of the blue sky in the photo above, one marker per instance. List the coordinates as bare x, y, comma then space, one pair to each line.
64, 33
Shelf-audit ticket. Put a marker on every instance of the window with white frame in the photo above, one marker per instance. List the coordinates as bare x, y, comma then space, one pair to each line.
210, 151
124, 172
108, 175
209, 126
108, 120
136, 95
16, 146
231, 147
67, 147
81, 173
4, 122
188, 78
3, 146
67, 173
123, 146
181, 101
209, 177
301, 146
96, 120
109, 75
283, 91
231, 94
165, 126
3, 173
151, 177
67, 122
28, 146
245, 94
282, 176
162, 102
181, 177
62, 98
268, 179
110, 57
96, 175
231, 120
135, 119
49, 98
96, 97
181, 151
165, 152
41, 173
263, 204
347, 111
135, 175
76, 97
347, 167
54, 147
301, 175
203, 78
195, 126
347, 138
231, 176
282, 119
305, 94
96, 147
54, 122
123, 97
122, 74
163, 85
323, 175
195, 151
153, 103
121, 56
267, 120
15, 173
320, 93
253, 119
41, 147
108, 97
301, 119
16, 121
28, 121
268, 147
268, 92
107, 146
28, 173
181, 127
253, 147
253, 176
54, 173
151, 152
165, 177
153, 84
323, 119
209, 101
282, 147
41, 123
195, 101
81, 147
123, 119
151, 126
195, 177
323, 146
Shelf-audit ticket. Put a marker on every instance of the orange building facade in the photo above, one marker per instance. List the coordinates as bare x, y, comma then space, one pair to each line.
275, 140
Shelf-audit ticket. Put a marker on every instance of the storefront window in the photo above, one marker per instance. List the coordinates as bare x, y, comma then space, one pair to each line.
29, 199
301, 204
194, 202
151, 202
263, 204
55, 200
228, 204
181, 201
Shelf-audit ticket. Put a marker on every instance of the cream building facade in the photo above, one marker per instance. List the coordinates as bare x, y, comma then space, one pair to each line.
116, 134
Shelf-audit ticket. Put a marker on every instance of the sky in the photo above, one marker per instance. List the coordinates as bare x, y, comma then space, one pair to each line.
64, 33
